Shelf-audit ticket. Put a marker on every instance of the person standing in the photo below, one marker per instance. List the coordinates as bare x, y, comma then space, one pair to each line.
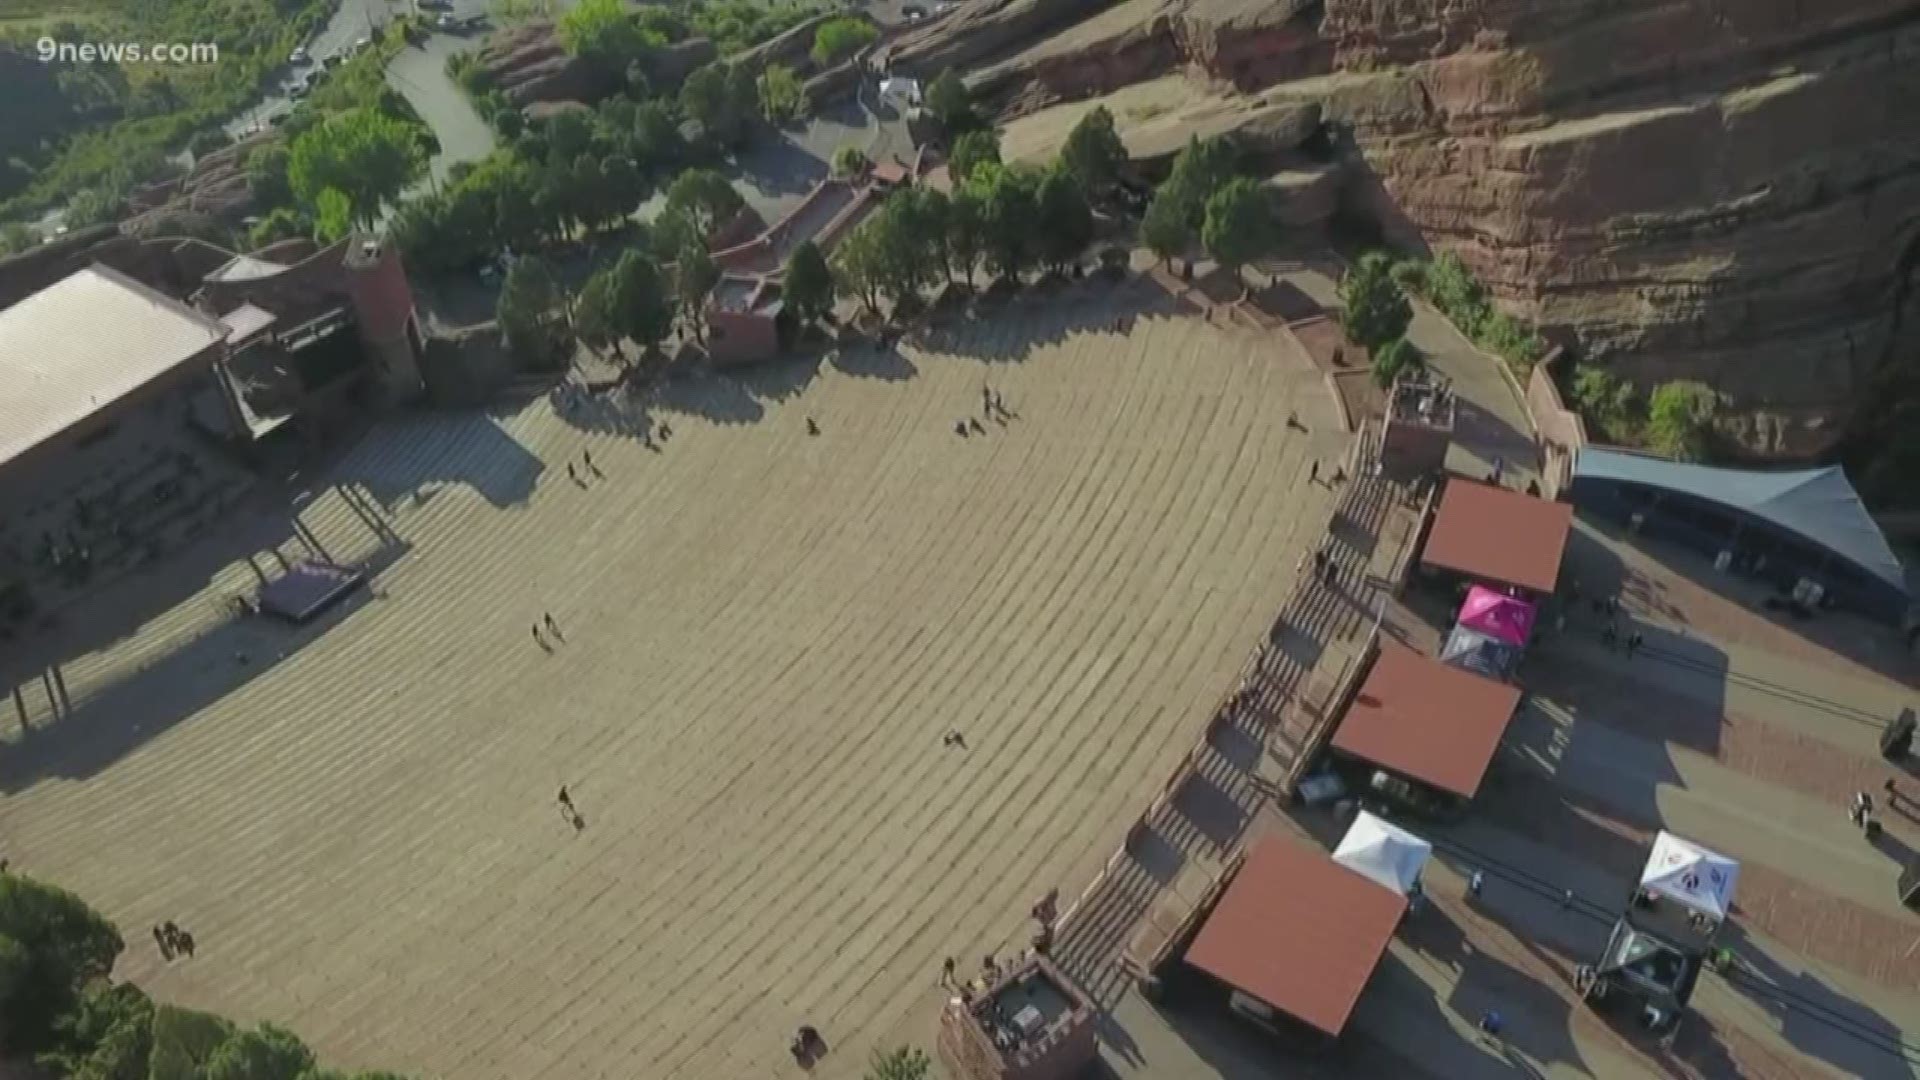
1313, 472
166, 946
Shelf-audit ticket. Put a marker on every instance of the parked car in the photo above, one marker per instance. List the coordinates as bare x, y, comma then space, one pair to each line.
298, 56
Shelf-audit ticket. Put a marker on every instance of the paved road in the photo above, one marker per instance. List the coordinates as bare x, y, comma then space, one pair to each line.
420, 75
766, 636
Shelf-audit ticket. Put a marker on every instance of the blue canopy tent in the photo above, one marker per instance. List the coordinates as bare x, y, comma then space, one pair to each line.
1779, 526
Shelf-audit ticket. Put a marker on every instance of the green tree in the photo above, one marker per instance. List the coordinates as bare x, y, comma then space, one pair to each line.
54, 945
656, 138
603, 32
904, 233
285, 223
1093, 153
807, 287
596, 312
332, 215
694, 278
782, 99
900, 1063
837, 39
1064, 218
706, 196
1011, 211
1605, 399
1164, 229
109, 1037
1375, 309
950, 103
1680, 417
966, 231
1239, 226
15, 237
363, 154
530, 313
1393, 359
722, 98
849, 161
263, 1053
971, 151
859, 264
184, 1040
267, 175
1199, 170
569, 134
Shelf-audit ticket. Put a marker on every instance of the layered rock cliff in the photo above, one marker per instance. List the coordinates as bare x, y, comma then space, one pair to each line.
1726, 190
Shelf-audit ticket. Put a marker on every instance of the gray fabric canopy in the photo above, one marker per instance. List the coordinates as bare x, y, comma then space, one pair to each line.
1817, 504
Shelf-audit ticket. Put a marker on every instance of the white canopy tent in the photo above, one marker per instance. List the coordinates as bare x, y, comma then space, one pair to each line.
1383, 851
1689, 874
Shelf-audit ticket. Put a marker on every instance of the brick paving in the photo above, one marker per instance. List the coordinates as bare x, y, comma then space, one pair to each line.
1797, 761
1790, 910
766, 636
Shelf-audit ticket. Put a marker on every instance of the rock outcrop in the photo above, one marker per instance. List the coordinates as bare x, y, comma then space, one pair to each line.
1679, 188
528, 64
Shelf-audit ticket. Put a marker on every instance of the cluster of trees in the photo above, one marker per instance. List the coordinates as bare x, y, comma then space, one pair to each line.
1449, 286
1375, 311
1675, 419
837, 39
347, 169
1013, 218
1206, 199
103, 128
635, 299
59, 1007
614, 35
578, 173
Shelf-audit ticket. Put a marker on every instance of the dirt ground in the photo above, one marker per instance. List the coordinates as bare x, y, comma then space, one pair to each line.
763, 636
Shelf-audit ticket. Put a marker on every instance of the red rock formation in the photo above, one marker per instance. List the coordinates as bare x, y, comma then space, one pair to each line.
1681, 188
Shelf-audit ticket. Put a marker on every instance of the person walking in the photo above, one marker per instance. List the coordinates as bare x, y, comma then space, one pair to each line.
166, 946
1634, 641
586, 458
184, 942
1491, 1024
960, 428
571, 475
566, 798
977, 427
946, 972
812, 428
1475, 883
1313, 472
552, 627
538, 640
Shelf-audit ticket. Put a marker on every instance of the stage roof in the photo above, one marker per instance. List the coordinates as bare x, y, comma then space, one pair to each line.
1818, 505
1298, 931
1427, 720
84, 342
1488, 532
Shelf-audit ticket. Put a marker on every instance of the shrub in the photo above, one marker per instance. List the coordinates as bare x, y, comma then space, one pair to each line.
1447, 285
1680, 418
837, 39
849, 160
1393, 359
1373, 307
1605, 399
